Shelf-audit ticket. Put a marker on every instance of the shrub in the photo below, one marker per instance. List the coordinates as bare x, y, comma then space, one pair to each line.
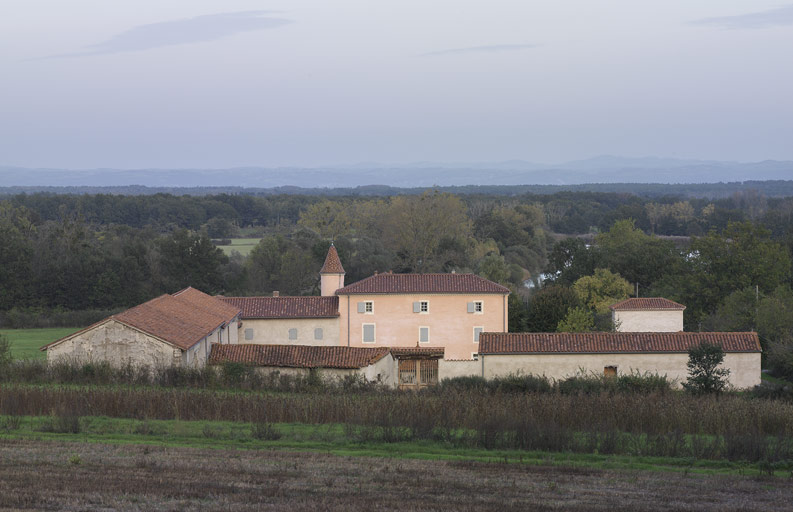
265, 432
636, 382
5, 353
583, 384
521, 384
704, 374
62, 423
10, 423
780, 358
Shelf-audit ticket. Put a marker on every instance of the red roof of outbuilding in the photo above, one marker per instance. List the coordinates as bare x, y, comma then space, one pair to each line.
612, 342
297, 356
647, 304
182, 319
285, 307
423, 283
332, 262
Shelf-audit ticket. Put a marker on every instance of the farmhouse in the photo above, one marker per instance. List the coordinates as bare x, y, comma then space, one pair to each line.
561, 355
171, 330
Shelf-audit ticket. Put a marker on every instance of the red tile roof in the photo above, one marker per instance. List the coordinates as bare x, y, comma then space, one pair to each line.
285, 307
399, 352
207, 303
332, 262
647, 304
423, 283
297, 356
182, 319
612, 342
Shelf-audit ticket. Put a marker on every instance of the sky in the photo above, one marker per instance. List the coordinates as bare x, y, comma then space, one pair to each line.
209, 84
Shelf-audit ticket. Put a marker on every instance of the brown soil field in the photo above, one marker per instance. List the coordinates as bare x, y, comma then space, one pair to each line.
87, 476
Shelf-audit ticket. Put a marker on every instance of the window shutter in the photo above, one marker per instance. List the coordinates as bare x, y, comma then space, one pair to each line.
416, 307
361, 307
424, 334
292, 334
248, 334
368, 332
470, 307
477, 332
318, 333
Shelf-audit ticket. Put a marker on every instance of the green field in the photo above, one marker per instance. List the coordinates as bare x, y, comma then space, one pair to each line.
25, 343
241, 245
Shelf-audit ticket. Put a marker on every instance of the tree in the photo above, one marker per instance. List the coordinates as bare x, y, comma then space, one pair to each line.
549, 306
577, 320
191, 259
601, 290
571, 259
415, 227
518, 313
704, 374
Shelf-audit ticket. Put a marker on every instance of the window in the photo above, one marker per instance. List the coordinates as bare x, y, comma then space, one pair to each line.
293, 334
610, 371
368, 333
424, 334
476, 307
422, 306
248, 334
318, 333
366, 307
474, 356
477, 332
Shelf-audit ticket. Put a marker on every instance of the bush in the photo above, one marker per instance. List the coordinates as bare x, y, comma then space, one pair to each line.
5, 353
62, 423
636, 382
521, 384
704, 374
265, 432
583, 384
780, 358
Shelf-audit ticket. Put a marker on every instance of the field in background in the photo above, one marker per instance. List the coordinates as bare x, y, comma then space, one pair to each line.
241, 245
25, 343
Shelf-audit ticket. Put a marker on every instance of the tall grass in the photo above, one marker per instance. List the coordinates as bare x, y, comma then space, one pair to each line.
669, 424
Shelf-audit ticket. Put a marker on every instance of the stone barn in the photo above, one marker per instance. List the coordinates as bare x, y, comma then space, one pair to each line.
171, 330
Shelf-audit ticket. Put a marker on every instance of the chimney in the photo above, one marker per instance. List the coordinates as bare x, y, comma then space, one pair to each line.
276, 293
375, 272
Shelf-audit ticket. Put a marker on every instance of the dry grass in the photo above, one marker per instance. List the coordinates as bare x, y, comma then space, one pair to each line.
69, 476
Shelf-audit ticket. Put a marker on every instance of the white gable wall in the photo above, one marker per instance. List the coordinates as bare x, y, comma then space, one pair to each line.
648, 321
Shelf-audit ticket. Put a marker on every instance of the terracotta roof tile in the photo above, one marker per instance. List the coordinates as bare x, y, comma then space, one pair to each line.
182, 319
647, 304
398, 352
297, 356
285, 307
332, 262
612, 342
208, 303
423, 283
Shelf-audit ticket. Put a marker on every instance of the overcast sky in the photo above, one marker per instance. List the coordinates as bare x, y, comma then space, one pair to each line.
200, 83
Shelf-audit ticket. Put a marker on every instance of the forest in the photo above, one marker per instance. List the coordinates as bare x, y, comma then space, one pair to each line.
69, 260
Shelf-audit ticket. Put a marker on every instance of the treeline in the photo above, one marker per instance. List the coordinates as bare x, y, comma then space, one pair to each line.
769, 188
577, 213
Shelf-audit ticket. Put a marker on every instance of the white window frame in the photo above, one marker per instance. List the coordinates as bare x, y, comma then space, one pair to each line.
428, 333
368, 307
479, 304
422, 305
474, 331
374, 332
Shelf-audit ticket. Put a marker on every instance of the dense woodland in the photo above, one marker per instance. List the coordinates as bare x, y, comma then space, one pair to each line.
566, 256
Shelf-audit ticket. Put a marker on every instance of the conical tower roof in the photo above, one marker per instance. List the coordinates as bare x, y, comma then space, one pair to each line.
332, 262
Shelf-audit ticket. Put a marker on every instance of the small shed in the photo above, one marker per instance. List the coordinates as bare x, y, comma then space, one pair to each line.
333, 363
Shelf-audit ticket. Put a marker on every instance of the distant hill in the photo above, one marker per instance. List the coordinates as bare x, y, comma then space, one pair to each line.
602, 169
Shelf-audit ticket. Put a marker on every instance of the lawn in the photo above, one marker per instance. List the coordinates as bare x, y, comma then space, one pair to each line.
25, 343
241, 245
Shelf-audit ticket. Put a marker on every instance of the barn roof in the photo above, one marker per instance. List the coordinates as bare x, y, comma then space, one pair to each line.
613, 342
285, 307
423, 283
647, 304
182, 319
297, 356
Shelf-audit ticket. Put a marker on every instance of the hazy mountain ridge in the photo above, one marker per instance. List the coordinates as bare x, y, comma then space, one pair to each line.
602, 169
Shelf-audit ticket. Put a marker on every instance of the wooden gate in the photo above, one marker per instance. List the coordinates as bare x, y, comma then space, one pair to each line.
417, 373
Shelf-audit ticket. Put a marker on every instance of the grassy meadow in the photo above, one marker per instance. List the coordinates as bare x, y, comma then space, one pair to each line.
241, 245
25, 343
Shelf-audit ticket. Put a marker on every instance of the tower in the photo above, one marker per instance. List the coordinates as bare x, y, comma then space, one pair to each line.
331, 277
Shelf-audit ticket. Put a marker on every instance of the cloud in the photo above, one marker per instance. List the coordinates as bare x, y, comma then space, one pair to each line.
183, 31
482, 49
772, 18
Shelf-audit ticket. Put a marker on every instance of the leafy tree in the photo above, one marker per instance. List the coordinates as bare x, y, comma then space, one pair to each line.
577, 320
416, 226
191, 259
704, 374
601, 290
549, 306
571, 259
637, 257
518, 313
